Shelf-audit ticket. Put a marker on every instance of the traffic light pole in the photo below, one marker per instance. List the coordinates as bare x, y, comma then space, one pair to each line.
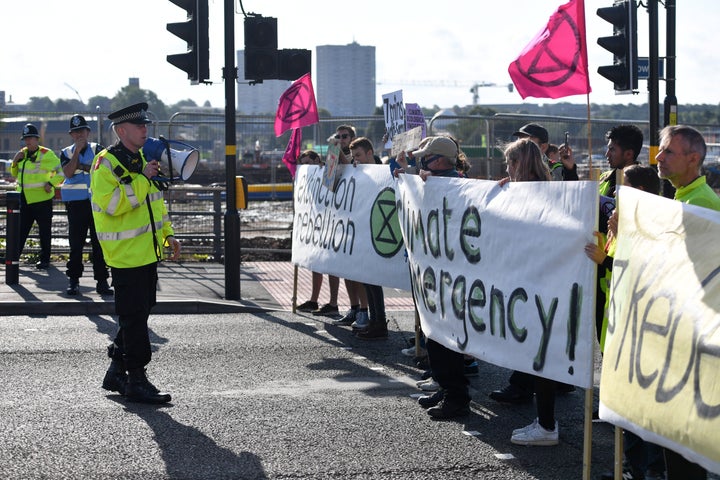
232, 219
670, 104
653, 87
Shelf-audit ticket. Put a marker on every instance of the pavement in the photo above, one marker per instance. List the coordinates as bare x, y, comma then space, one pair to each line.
183, 288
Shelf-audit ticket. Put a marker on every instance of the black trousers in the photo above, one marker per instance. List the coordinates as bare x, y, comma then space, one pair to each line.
42, 213
135, 295
448, 370
80, 222
376, 303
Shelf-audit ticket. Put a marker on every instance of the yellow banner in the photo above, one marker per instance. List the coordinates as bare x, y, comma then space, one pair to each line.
661, 368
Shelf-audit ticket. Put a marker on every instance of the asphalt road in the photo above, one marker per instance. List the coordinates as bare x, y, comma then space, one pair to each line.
255, 396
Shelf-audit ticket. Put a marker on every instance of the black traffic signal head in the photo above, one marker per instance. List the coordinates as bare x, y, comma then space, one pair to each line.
623, 45
293, 63
263, 60
195, 62
261, 54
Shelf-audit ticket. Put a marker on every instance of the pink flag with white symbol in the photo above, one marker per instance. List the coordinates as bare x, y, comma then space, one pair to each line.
297, 107
554, 64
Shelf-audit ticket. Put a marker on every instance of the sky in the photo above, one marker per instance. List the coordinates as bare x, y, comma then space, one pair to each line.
432, 51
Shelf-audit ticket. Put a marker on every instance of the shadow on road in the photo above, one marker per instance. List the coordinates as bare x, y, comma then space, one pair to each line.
188, 452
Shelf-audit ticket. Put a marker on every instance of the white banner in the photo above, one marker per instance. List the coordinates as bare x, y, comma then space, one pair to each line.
662, 353
352, 232
500, 273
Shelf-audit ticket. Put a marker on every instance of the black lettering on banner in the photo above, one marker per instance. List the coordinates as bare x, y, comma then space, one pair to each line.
447, 215
711, 352
497, 308
470, 230
573, 321
433, 233
429, 286
458, 306
519, 334
476, 301
546, 320
445, 283
699, 354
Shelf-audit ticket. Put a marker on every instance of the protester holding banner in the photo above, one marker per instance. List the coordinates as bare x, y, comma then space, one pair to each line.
525, 163
680, 156
438, 156
363, 153
357, 316
639, 455
311, 157
519, 389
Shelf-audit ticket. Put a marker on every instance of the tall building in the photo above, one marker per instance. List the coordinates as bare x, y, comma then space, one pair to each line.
257, 99
345, 79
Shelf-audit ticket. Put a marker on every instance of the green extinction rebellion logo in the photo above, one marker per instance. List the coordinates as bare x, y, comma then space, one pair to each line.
384, 225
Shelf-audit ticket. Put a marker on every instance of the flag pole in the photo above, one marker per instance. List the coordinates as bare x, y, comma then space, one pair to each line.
591, 173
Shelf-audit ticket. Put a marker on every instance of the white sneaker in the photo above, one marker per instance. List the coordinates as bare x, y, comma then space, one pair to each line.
431, 386
535, 435
411, 352
524, 429
362, 320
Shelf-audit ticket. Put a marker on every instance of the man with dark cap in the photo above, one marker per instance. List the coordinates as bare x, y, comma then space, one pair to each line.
37, 170
565, 169
76, 160
132, 226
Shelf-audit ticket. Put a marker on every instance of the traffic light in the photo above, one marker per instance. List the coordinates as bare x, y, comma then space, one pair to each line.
261, 54
623, 45
195, 62
263, 60
293, 63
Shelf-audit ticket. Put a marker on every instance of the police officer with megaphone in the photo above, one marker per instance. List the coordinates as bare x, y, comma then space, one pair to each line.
133, 226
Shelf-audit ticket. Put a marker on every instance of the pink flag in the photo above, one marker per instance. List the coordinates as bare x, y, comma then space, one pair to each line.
292, 152
297, 107
554, 64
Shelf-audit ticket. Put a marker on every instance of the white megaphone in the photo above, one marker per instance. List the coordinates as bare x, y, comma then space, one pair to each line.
182, 163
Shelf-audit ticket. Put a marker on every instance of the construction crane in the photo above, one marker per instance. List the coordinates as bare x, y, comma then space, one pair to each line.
474, 86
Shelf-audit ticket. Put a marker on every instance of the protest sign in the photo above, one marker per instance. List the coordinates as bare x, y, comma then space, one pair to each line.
394, 112
352, 232
662, 350
500, 273
406, 141
414, 117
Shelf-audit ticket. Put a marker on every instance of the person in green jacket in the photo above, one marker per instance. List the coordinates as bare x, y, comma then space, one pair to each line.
37, 170
680, 156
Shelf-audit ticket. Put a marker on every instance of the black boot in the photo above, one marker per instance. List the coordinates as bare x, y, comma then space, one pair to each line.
139, 389
115, 377
375, 331
73, 287
103, 288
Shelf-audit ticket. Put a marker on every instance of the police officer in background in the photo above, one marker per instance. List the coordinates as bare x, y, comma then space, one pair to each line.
76, 161
133, 226
37, 170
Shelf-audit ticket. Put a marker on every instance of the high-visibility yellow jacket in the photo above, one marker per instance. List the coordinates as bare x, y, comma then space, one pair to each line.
35, 171
123, 222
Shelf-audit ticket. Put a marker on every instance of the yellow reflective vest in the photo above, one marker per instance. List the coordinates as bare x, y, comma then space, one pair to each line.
123, 221
35, 171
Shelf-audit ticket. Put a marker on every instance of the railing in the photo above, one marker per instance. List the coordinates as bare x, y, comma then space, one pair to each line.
197, 216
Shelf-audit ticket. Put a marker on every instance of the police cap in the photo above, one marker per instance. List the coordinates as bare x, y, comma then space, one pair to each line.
29, 130
136, 114
78, 122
